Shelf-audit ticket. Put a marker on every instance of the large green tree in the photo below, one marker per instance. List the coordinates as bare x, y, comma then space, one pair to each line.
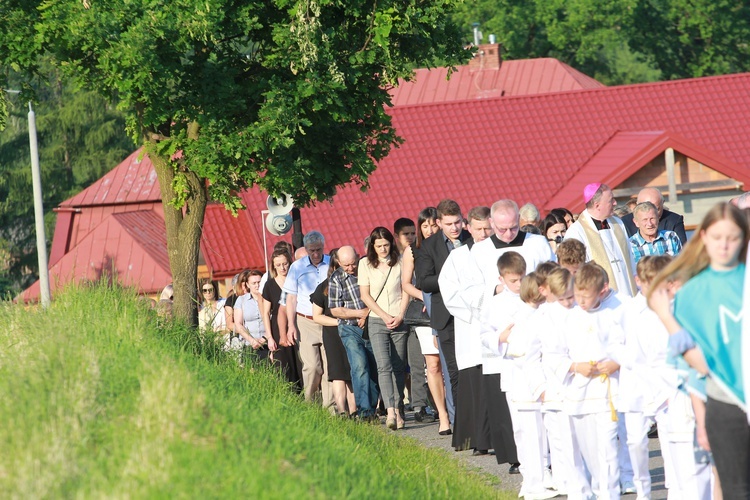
692, 38
620, 41
289, 95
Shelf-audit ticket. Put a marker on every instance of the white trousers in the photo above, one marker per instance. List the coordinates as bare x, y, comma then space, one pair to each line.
623, 457
529, 435
684, 478
596, 435
638, 426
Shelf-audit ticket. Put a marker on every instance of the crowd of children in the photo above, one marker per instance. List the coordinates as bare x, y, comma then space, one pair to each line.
587, 373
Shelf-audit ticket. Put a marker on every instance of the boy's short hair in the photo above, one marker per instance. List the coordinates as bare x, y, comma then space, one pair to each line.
511, 262
448, 207
604, 271
530, 289
401, 223
591, 277
559, 281
571, 253
651, 265
543, 270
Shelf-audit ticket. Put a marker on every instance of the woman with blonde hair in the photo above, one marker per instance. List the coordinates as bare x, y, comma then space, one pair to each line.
248, 317
707, 328
285, 355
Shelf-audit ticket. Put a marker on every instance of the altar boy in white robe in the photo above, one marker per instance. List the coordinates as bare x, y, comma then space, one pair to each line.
525, 405
646, 382
585, 363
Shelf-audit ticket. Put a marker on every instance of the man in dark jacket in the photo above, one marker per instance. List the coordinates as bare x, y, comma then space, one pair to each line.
668, 221
428, 263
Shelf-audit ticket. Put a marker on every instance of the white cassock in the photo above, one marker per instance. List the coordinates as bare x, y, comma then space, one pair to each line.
620, 259
462, 287
646, 383
533, 248
590, 337
499, 312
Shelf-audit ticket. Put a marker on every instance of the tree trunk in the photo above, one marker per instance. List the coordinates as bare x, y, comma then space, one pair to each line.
184, 227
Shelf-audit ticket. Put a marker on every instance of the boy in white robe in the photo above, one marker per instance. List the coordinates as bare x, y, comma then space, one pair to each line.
585, 363
528, 426
503, 312
645, 380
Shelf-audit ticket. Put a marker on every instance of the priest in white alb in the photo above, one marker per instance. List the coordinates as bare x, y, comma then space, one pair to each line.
605, 238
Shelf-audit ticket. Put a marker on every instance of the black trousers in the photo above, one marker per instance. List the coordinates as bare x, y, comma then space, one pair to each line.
729, 437
447, 337
501, 426
472, 426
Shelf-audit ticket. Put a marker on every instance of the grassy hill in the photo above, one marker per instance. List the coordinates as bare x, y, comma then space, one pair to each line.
98, 400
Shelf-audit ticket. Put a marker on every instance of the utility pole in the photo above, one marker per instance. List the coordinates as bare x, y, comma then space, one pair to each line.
36, 180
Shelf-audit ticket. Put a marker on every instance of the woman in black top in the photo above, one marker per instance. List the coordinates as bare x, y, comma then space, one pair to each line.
285, 356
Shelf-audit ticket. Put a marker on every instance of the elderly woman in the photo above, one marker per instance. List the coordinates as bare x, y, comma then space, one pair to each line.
379, 277
248, 317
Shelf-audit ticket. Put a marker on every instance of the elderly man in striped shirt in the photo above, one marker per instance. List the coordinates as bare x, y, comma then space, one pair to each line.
346, 305
650, 240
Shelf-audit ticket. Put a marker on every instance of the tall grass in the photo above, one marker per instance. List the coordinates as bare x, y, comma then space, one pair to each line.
98, 400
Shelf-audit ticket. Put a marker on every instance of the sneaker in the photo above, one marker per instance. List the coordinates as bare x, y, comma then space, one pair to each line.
627, 487
540, 495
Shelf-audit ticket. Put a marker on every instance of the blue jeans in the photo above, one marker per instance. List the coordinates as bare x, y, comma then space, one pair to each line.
364, 371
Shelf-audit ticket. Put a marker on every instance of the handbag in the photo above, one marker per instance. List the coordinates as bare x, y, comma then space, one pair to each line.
416, 314
365, 332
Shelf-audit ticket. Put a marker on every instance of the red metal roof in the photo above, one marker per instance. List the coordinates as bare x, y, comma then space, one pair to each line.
231, 244
538, 148
513, 78
132, 181
530, 148
631, 151
132, 246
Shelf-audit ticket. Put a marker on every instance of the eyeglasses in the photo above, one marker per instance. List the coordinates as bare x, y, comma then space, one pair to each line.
208, 290
506, 229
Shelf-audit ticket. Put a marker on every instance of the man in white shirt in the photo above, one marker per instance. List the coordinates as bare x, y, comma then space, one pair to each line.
304, 276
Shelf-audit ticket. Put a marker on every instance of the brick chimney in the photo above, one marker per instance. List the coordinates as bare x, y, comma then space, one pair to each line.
486, 57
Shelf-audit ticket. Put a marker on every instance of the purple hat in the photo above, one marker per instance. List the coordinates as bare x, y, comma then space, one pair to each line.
590, 190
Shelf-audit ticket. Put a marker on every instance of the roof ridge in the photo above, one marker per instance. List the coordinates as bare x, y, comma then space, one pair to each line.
551, 95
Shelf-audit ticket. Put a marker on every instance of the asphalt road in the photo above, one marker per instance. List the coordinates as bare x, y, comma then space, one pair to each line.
427, 434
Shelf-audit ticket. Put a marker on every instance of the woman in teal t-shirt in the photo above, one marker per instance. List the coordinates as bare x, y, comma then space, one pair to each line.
709, 307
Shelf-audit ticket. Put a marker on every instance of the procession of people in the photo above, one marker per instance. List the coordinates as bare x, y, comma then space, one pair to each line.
556, 343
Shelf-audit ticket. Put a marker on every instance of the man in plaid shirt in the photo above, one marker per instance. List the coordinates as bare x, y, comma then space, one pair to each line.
650, 240
346, 305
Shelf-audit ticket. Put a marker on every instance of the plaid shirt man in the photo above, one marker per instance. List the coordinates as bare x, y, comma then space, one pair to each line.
343, 291
666, 243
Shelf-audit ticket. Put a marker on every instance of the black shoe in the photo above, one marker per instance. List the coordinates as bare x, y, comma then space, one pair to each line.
654, 432
419, 414
479, 452
446, 432
514, 469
